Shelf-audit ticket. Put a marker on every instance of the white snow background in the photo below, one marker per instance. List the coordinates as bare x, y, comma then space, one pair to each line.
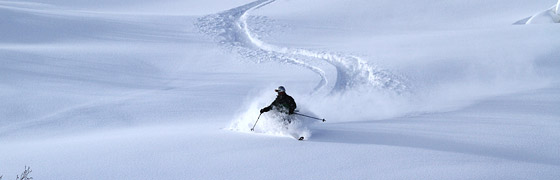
410, 89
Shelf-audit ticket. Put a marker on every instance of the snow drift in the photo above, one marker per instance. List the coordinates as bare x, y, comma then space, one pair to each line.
410, 89
551, 15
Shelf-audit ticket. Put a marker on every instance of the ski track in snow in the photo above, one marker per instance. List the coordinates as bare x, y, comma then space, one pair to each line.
231, 29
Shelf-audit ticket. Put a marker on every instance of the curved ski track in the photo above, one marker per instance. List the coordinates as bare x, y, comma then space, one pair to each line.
230, 28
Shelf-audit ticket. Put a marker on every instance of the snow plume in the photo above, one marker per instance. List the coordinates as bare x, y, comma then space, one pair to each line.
439, 86
272, 122
355, 106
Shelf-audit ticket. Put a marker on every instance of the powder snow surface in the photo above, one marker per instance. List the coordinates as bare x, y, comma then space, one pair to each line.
410, 89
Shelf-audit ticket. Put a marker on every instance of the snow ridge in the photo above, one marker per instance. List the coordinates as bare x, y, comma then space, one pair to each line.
230, 28
551, 15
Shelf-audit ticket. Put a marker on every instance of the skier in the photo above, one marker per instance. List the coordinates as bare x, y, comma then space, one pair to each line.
283, 103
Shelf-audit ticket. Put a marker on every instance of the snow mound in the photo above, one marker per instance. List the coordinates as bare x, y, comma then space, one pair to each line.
551, 15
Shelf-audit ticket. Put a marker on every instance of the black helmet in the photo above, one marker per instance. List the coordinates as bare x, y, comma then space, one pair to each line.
280, 89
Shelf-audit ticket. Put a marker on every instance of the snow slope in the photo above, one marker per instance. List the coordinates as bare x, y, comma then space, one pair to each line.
169, 89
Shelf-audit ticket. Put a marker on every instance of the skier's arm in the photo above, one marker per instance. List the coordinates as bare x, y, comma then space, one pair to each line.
266, 109
293, 106
269, 107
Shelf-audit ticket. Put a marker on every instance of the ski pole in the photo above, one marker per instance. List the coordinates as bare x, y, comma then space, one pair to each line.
253, 129
310, 117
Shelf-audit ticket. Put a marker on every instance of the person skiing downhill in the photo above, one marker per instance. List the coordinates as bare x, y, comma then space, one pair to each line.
283, 103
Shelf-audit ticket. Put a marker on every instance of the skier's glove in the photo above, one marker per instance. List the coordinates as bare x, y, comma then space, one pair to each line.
266, 109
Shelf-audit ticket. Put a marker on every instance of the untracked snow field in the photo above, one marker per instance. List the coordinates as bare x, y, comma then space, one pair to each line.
410, 89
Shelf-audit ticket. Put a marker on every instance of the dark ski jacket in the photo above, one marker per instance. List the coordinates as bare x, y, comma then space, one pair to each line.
283, 103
